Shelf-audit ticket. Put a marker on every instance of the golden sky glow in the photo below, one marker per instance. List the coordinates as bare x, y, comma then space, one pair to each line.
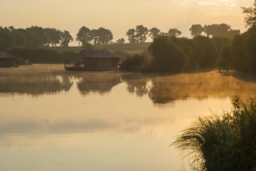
121, 15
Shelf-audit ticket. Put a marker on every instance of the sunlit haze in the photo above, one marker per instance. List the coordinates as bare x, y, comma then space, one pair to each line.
121, 15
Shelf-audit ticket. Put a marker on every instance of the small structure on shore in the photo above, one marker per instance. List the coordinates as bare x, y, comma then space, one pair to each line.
94, 60
7, 60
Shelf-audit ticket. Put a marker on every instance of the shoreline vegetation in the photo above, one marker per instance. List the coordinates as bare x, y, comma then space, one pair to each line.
222, 142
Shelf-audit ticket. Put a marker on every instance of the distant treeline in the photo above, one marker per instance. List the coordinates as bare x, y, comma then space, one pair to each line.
35, 36
241, 53
171, 54
42, 55
168, 53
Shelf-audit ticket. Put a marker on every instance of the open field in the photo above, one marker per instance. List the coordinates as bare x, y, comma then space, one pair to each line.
126, 48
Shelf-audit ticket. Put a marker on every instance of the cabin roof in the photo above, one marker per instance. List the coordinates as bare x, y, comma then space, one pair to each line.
4, 55
92, 53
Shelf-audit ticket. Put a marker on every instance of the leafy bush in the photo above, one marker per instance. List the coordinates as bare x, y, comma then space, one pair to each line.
134, 63
42, 55
168, 56
223, 143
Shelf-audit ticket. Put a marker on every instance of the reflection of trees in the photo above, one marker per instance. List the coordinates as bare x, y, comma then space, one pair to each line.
35, 84
168, 88
137, 84
100, 82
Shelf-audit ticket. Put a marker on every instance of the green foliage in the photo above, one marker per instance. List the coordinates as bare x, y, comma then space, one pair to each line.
172, 54
139, 34
134, 63
173, 32
32, 37
196, 29
84, 35
250, 12
206, 52
168, 57
223, 142
242, 53
154, 32
66, 38
42, 55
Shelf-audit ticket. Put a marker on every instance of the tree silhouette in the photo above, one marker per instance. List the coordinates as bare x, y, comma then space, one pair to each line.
154, 32
173, 32
196, 29
250, 12
131, 35
215, 30
66, 38
141, 33
84, 35
120, 41
104, 36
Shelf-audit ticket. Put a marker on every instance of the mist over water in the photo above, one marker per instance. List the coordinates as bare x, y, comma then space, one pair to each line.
56, 120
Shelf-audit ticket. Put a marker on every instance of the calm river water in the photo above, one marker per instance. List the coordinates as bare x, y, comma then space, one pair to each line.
52, 120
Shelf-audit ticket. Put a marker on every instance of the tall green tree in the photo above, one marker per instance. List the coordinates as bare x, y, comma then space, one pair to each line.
154, 32
167, 55
196, 29
5, 38
36, 37
173, 32
120, 41
131, 35
217, 30
53, 36
84, 36
104, 36
141, 33
250, 13
206, 52
66, 38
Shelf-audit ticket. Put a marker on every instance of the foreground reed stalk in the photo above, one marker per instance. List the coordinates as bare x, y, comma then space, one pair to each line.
222, 143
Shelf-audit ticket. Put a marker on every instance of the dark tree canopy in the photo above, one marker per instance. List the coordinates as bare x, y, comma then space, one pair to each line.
141, 33
120, 41
220, 30
34, 36
154, 32
250, 12
168, 57
196, 29
66, 38
174, 32
84, 35
131, 35
104, 35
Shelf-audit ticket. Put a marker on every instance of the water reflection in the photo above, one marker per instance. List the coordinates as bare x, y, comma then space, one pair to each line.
81, 119
35, 84
169, 88
101, 82
159, 88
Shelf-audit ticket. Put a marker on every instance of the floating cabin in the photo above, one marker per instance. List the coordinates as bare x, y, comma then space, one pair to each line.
94, 60
7, 60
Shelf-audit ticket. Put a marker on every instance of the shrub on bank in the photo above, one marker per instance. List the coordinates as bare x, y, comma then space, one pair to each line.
42, 55
223, 142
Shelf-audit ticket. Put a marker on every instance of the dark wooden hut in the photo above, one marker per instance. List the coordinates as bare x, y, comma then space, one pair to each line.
7, 60
94, 60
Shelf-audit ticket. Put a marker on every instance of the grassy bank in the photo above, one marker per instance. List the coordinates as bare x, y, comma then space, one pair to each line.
126, 48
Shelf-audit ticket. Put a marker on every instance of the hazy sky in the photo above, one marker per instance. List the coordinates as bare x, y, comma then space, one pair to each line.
121, 15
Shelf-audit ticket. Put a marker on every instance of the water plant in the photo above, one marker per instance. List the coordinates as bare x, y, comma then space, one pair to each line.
227, 142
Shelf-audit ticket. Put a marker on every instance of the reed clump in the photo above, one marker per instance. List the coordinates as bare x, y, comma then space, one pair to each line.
224, 142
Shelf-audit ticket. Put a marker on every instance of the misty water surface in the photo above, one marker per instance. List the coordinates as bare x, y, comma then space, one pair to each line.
52, 120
